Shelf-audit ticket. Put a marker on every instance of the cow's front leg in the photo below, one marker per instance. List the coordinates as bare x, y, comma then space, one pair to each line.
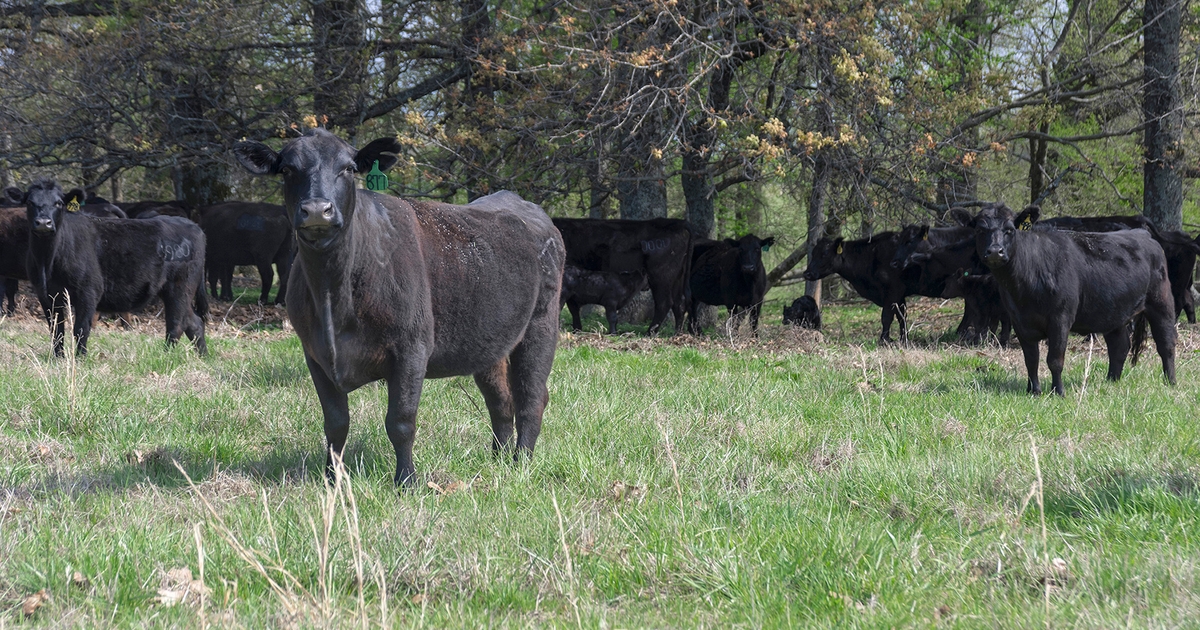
1030, 350
336, 408
404, 395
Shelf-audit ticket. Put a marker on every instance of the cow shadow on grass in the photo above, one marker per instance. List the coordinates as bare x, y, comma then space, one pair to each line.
1119, 491
280, 466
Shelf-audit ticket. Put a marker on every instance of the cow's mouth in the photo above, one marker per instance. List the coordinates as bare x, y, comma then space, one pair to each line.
318, 237
996, 259
811, 276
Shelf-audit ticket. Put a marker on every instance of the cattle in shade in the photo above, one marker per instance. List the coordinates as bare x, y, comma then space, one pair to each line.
730, 273
401, 291
1053, 282
610, 289
954, 269
803, 312
243, 233
662, 248
867, 265
89, 260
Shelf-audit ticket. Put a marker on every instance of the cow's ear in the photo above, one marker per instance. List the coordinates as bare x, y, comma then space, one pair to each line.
386, 150
14, 196
256, 157
74, 199
961, 217
1027, 217
767, 243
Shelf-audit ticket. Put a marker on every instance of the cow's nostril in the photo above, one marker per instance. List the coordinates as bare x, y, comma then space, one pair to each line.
328, 213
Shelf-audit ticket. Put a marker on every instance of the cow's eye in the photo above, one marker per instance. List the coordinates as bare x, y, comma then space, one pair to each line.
349, 170
58, 204
285, 171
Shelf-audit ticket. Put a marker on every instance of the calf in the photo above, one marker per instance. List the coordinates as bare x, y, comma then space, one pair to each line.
241, 233
89, 259
730, 273
804, 313
660, 247
397, 290
1052, 282
610, 289
867, 265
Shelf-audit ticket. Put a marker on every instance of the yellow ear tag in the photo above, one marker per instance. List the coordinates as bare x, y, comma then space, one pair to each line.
839, 249
925, 237
1026, 224
73, 206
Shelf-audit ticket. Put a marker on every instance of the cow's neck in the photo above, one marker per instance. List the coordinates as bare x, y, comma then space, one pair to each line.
329, 277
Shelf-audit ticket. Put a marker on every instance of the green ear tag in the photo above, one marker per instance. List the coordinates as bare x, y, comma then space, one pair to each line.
73, 206
376, 180
766, 248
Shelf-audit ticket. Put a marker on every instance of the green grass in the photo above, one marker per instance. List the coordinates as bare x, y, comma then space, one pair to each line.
791, 481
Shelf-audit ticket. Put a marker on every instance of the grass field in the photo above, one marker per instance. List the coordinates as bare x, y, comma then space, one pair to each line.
793, 480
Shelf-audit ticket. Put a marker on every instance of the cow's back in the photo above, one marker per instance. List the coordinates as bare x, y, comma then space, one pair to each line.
136, 257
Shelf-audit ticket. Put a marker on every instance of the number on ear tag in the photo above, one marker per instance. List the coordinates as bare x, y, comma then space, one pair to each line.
376, 180
73, 206
1026, 225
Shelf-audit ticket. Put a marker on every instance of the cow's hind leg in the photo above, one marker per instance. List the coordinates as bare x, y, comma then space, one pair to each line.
528, 368
268, 278
1162, 326
335, 408
174, 310
10, 293
493, 384
1056, 356
1118, 350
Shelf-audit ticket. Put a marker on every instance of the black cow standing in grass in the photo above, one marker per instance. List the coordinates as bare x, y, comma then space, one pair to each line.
14, 245
396, 290
242, 233
1054, 282
88, 262
804, 313
867, 265
730, 273
610, 289
660, 247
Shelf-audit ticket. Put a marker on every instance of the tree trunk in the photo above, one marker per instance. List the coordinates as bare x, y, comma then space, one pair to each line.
1162, 197
339, 61
1037, 165
114, 187
641, 189
822, 173
598, 192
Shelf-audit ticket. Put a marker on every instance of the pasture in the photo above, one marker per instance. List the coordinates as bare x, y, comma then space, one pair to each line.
793, 480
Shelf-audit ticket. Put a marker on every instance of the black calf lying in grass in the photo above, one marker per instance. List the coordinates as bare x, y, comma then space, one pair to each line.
1055, 281
610, 289
804, 313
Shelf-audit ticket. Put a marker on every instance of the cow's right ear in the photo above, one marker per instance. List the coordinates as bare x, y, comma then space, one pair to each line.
1027, 217
385, 150
14, 196
961, 217
256, 157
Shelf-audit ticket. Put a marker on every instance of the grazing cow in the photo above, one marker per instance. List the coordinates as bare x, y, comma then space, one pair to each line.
398, 290
730, 273
241, 233
71, 253
1054, 281
867, 265
804, 313
610, 289
660, 247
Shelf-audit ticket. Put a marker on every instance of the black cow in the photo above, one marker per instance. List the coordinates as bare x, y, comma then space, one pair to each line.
1179, 248
398, 290
867, 265
953, 270
610, 289
919, 236
242, 233
89, 259
14, 244
1054, 281
730, 273
660, 247
804, 313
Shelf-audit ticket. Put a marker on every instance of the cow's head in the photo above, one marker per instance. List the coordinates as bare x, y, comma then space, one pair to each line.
45, 205
750, 249
910, 239
821, 260
996, 231
319, 184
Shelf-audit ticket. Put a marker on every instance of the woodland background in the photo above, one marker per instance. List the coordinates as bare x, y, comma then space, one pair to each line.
781, 117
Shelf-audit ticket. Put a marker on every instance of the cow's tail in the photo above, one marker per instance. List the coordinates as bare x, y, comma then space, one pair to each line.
201, 303
1139, 337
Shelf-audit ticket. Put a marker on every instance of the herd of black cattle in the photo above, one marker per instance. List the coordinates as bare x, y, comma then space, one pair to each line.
383, 288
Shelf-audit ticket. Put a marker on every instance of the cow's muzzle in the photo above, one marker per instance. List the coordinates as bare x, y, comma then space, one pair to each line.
43, 224
994, 257
316, 219
811, 275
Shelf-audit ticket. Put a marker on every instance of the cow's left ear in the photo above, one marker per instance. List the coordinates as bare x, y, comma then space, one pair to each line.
386, 150
256, 157
767, 243
1027, 217
961, 217
74, 198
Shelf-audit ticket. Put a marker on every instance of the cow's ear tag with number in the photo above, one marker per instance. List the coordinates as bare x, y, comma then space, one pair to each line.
839, 249
73, 205
376, 180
